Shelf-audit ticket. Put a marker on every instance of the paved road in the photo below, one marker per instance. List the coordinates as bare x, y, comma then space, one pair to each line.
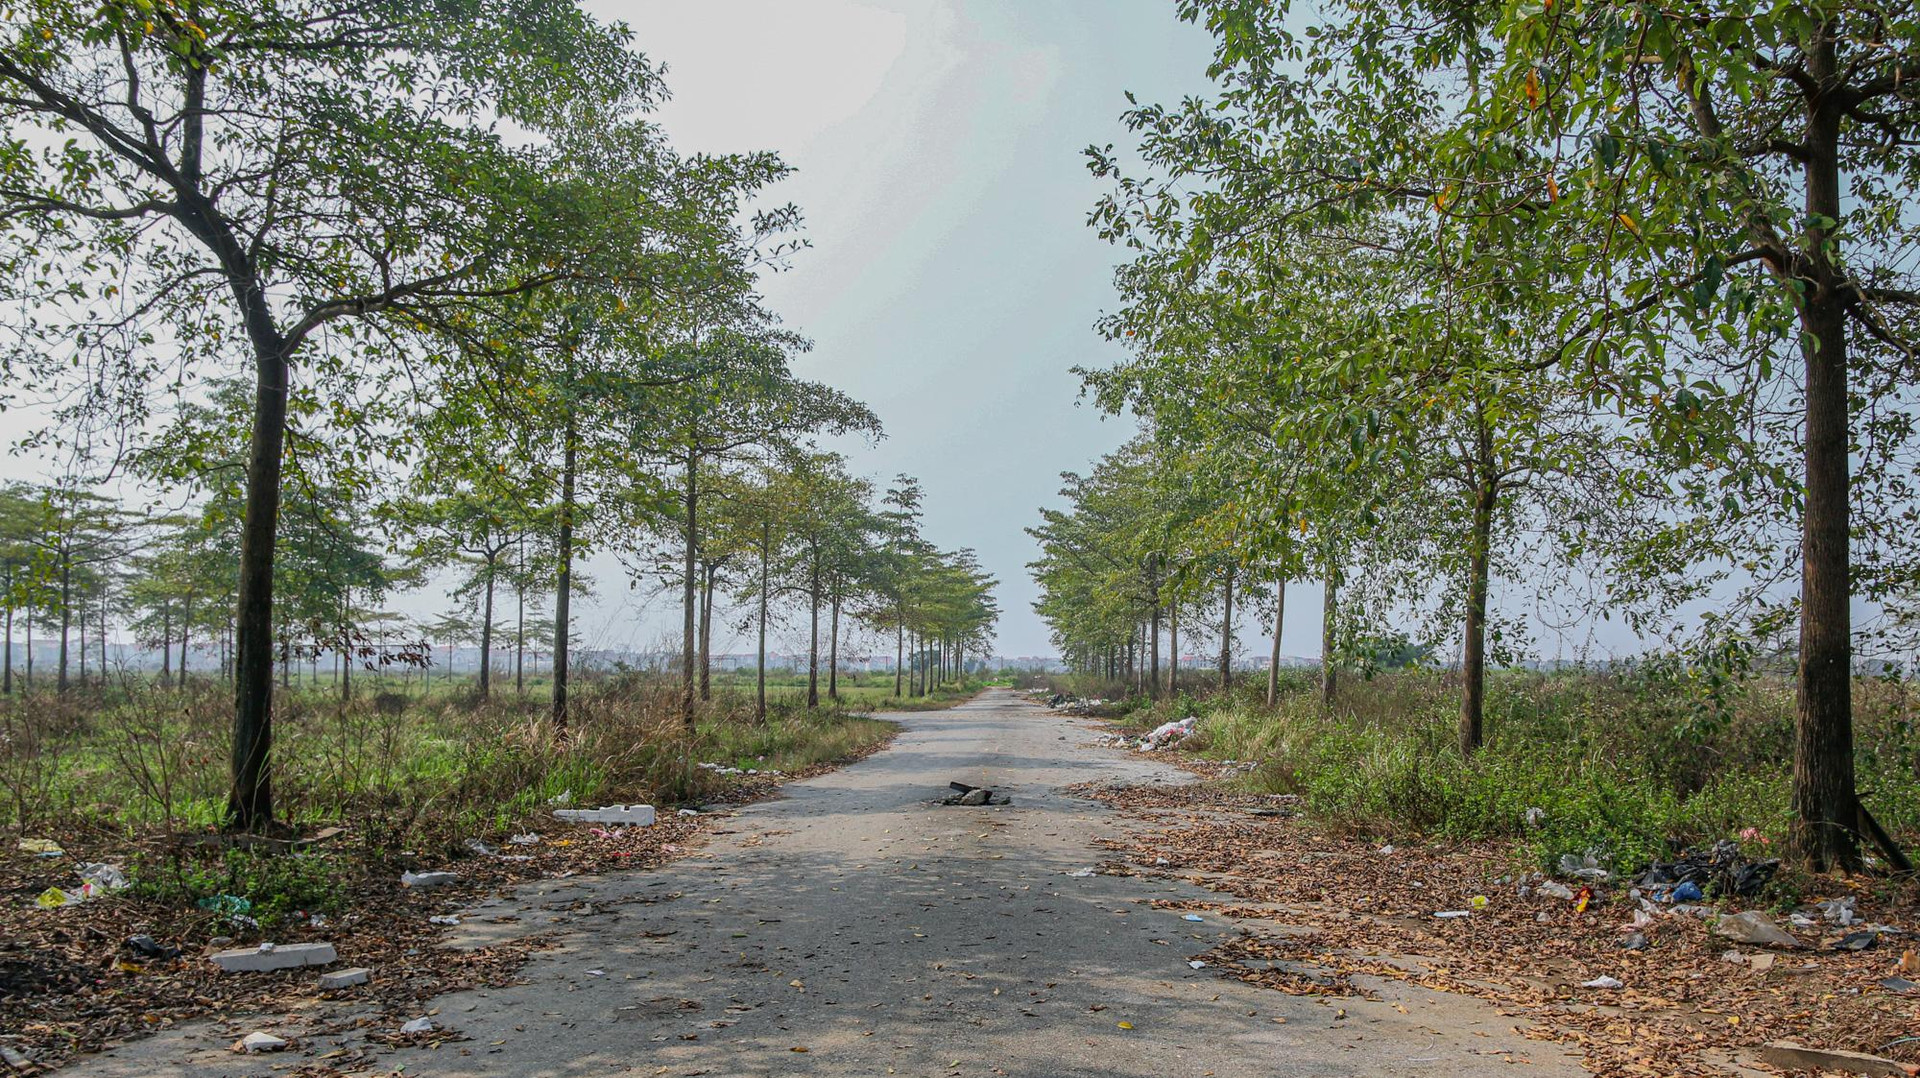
884, 934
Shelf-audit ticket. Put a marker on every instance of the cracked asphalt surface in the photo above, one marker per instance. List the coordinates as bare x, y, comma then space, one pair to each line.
853, 926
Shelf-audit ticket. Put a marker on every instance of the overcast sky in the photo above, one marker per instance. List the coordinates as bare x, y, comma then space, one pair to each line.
952, 280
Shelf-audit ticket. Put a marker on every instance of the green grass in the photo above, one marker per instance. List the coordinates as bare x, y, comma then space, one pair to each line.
1630, 763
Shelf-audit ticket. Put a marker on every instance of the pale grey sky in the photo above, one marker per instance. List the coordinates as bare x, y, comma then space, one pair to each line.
952, 280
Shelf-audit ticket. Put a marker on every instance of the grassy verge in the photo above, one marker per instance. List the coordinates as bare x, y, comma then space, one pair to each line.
108, 774
1629, 763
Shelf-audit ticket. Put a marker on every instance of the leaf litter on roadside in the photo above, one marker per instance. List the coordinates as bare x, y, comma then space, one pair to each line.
1372, 914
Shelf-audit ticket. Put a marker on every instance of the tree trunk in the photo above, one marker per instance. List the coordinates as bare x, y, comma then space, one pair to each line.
1825, 800
760, 679
690, 503
813, 643
561, 601
833, 650
486, 631
7, 678
66, 620
286, 657
712, 574
1153, 668
1173, 649
1329, 670
899, 647
1273, 661
250, 803
1226, 635
1473, 650
520, 626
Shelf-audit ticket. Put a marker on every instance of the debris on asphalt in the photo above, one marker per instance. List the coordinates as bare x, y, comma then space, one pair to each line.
631, 815
345, 978
1798, 1057
1603, 981
259, 1042
268, 956
422, 1024
973, 796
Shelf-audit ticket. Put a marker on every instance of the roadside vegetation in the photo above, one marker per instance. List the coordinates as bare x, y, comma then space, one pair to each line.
1625, 764
1590, 321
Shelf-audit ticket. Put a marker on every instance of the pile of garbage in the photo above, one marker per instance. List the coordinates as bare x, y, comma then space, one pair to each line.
1720, 872
95, 880
1168, 734
1074, 705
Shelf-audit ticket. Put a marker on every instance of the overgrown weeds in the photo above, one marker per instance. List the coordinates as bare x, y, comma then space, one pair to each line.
1629, 762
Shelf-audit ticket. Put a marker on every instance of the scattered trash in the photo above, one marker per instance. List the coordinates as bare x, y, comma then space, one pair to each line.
1634, 941
103, 876
1192, 917
1196, 964
564, 797
1387, 849
424, 880
1899, 984
687, 812
1081, 873
422, 1024
443, 919
1857, 941
481, 848
41, 847
1535, 817
1688, 892
1756, 928
1478, 902
148, 947
227, 905
1449, 915
1581, 899
1554, 889
527, 839
1839, 910
1585, 867
1723, 870
1602, 982
53, 898
596, 973
259, 1042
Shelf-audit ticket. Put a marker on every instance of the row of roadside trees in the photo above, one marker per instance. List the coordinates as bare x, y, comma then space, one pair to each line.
1598, 299
373, 286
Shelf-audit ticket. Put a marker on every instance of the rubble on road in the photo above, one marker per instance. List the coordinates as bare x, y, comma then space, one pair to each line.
973, 796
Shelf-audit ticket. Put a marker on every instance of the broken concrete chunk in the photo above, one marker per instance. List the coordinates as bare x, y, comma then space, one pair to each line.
1796, 1057
976, 797
1756, 928
260, 1042
422, 1024
635, 815
290, 956
428, 879
345, 978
